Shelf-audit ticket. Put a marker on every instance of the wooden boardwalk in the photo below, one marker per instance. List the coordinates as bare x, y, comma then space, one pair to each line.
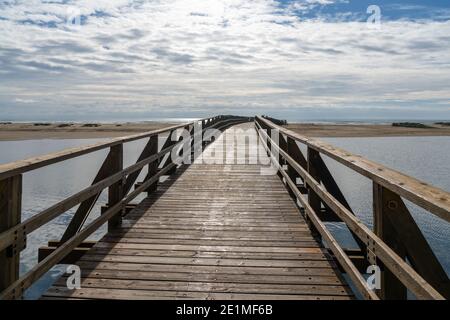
226, 227
211, 231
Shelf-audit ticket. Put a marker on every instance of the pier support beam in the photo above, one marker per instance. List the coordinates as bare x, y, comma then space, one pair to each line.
391, 287
10, 215
115, 191
153, 166
313, 199
294, 151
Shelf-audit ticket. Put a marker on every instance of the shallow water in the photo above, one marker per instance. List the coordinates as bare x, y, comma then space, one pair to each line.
426, 158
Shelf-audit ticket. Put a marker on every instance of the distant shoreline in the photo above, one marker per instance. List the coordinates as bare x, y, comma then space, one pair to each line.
62, 130
366, 130
97, 130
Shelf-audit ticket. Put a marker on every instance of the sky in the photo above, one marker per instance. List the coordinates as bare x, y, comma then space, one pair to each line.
292, 59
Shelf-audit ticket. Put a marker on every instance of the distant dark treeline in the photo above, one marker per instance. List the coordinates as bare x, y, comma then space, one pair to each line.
410, 125
91, 125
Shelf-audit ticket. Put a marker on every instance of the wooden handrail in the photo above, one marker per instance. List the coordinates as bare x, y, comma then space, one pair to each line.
403, 271
432, 199
18, 167
385, 253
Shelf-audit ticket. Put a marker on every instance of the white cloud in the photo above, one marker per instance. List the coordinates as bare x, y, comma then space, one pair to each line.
174, 54
24, 100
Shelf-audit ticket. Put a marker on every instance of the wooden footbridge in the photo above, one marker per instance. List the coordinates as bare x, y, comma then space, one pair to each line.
242, 217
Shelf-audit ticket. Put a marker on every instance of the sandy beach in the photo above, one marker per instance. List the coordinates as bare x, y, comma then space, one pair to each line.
28, 131
365, 130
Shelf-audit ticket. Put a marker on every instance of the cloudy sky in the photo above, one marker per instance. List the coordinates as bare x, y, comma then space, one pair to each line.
296, 59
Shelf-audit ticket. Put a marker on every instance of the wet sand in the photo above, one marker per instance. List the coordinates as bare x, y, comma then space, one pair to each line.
28, 131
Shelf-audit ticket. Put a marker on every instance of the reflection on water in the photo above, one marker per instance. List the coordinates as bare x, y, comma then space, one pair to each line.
426, 158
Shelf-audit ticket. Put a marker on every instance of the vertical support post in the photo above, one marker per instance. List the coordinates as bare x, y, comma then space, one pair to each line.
10, 215
291, 147
170, 143
115, 191
197, 140
205, 125
313, 199
192, 143
269, 134
391, 287
153, 166
282, 143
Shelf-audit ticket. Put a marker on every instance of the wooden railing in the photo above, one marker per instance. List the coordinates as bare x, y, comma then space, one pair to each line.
112, 176
396, 244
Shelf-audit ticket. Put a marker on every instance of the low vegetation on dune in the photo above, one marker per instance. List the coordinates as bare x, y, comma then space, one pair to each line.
91, 125
411, 125
64, 125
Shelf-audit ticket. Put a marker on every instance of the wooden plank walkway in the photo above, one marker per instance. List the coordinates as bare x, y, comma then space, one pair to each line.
210, 231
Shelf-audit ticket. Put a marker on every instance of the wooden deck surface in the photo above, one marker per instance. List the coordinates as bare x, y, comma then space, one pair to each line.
211, 231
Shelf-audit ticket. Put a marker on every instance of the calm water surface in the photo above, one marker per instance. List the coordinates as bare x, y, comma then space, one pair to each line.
426, 158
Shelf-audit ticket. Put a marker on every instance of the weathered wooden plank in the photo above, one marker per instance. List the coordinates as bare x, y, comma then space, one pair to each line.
216, 287
233, 235
206, 261
216, 242
253, 247
133, 233
91, 267
276, 277
207, 254
122, 294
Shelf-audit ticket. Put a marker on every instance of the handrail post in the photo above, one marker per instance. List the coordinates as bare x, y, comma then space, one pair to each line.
10, 216
391, 287
282, 143
292, 150
169, 142
115, 191
153, 166
313, 199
